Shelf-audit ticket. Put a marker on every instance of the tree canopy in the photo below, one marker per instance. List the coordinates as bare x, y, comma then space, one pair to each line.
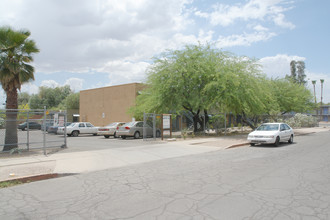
200, 77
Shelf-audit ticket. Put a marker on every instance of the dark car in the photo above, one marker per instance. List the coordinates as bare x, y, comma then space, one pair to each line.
32, 125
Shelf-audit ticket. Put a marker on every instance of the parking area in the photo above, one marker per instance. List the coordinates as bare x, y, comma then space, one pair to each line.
89, 142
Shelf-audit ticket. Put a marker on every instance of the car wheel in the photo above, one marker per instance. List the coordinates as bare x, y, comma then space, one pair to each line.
69, 135
277, 141
75, 133
23, 129
137, 135
158, 134
94, 134
106, 136
252, 144
290, 141
123, 137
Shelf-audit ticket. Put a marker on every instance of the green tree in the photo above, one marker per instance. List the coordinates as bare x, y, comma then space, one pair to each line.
240, 88
177, 81
23, 98
49, 97
291, 97
199, 78
72, 101
16, 52
297, 72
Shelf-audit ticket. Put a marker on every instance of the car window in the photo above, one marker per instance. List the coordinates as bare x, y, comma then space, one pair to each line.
111, 125
129, 124
89, 125
268, 127
287, 127
283, 127
81, 125
139, 124
72, 125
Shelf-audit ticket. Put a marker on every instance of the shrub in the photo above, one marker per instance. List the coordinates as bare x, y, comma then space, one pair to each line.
301, 120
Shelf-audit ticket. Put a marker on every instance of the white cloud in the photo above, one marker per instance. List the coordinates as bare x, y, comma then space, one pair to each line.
243, 39
80, 35
226, 15
260, 28
30, 88
76, 84
278, 66
50, 83
279, 20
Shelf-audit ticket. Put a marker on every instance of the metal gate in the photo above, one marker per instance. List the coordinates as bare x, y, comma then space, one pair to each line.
151, 126
28, 129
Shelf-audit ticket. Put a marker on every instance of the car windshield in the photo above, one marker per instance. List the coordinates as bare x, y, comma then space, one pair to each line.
71, 125
268, 127
129, 124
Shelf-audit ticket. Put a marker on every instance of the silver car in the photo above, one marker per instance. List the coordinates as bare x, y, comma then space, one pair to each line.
135, 129
110, 129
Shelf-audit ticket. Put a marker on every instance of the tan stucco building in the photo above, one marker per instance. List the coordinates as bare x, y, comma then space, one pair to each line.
102, 106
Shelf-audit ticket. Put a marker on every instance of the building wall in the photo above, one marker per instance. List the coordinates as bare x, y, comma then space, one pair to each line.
105, 105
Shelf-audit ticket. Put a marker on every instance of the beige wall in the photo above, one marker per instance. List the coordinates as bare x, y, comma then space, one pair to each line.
113, 101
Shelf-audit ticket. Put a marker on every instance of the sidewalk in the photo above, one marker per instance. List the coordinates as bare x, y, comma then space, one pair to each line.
88, 161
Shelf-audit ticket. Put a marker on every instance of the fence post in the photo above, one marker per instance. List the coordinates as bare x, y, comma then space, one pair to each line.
204, 122
65, 136
154, 125
225, 123
27, 132
144, 126
44, 131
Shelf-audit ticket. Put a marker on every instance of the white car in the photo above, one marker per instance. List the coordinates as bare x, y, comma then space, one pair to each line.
110, 129
77, 128
271, 133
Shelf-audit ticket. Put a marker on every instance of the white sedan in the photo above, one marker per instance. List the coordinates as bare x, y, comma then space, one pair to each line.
271, 133
77, 128
110, 129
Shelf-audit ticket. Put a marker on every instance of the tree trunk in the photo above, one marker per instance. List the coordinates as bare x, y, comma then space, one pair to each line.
200, 120
246, 120
11, 119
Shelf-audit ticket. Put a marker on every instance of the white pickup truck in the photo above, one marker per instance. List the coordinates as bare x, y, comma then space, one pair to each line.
77, 128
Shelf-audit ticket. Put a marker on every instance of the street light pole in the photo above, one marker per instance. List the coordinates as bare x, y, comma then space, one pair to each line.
314, 82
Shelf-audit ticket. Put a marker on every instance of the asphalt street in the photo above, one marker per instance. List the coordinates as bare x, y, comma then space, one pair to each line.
262, 182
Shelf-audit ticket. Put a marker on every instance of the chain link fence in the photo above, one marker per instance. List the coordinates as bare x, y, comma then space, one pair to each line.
183, 125
30, 130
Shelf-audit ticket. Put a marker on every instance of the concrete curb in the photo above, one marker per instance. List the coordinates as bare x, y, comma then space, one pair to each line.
237, 145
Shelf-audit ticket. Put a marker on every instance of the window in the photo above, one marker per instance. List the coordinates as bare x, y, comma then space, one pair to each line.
89, 125
283, 127
286, 127
81, 125
140, 124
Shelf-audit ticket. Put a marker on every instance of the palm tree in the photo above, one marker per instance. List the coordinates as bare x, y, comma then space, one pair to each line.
16, 52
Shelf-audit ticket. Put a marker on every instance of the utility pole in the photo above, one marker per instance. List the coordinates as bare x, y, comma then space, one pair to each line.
322, 81
314, 82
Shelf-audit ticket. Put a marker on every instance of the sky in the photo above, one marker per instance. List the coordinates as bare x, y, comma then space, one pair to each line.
96, 43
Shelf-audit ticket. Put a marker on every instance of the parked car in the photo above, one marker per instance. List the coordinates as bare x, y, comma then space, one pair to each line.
48, 124
77, 128
53, 129
271, 133
110, 129
32, 125
135, 129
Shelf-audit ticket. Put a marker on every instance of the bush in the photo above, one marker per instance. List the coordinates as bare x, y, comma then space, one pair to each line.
301, 120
